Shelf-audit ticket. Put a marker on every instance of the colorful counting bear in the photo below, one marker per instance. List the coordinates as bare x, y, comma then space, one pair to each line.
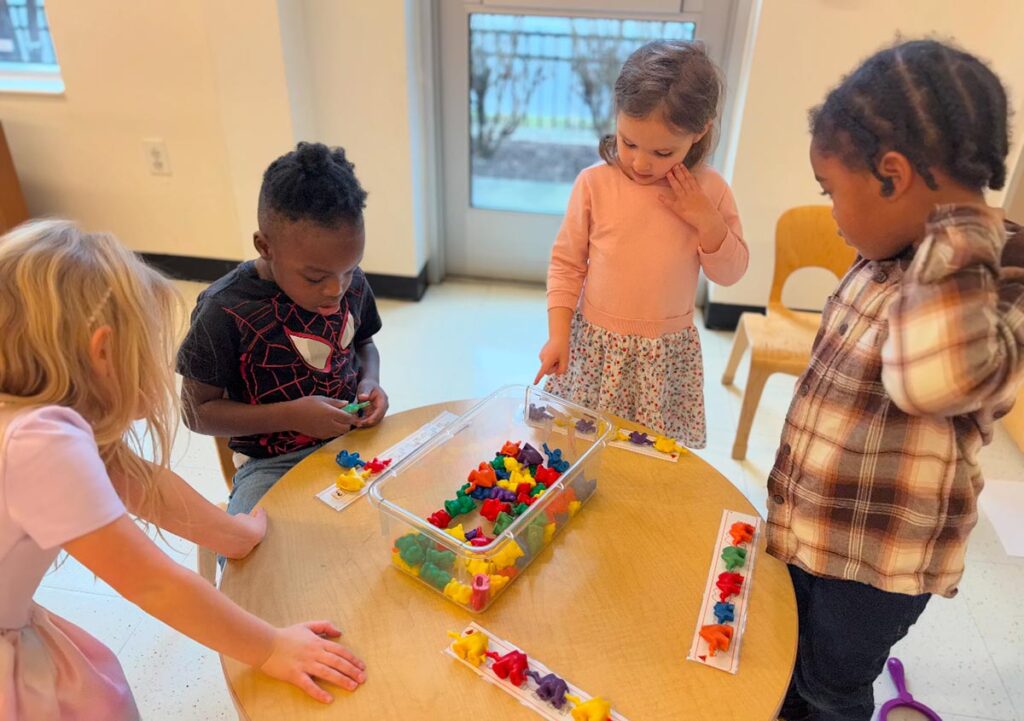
482, 477
734, 557
550, 688
458, 592
529, 456
507, 555
725, 612
471, 646
411, 549
547, 476
351, 481
440, 519
595, 709
585, 425
718, 637
492, 507
376, 465
460, 505
741, 533
730, 584
555, 459
512, 665
510, 449
349, 460
663, 444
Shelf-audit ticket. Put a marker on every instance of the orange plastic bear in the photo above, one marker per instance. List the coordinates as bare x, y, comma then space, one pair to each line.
718, 637
741, 533
511, 449
482, 477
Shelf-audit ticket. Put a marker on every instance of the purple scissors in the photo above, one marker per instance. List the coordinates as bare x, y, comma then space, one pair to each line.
903, 698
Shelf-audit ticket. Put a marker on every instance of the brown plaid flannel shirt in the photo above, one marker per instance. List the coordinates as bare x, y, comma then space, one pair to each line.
876, 479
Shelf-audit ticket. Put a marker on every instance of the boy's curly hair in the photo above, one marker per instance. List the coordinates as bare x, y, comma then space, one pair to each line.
939, 106
312, 182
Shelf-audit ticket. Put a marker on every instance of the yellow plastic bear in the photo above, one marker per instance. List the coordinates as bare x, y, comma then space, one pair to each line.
507, 555
458, 592
457, 532
397, 559
351, 481
472, 646
668, 445
595, 709
476, 566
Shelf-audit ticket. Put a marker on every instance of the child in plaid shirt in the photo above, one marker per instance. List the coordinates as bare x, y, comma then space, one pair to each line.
921, 348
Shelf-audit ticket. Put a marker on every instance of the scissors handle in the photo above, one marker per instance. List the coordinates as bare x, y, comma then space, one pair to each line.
898, 677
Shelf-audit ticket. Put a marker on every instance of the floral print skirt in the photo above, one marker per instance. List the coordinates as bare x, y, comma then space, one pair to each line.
656, 382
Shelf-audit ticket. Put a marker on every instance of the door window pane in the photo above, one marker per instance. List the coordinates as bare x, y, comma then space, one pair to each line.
540, 98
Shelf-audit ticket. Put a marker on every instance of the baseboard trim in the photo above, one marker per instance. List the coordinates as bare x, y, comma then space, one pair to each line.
726, 316
207, 270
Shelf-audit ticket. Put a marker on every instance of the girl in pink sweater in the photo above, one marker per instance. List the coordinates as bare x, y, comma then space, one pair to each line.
638, 230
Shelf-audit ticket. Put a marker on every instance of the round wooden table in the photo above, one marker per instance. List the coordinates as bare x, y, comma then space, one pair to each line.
611, 605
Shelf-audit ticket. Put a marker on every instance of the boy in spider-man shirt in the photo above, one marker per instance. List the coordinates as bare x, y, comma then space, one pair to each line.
280, 345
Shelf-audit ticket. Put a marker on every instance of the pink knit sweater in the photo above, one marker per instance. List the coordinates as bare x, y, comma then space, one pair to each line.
628, 262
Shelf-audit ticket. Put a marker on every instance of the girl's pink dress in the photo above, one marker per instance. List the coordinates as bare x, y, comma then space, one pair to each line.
53, 489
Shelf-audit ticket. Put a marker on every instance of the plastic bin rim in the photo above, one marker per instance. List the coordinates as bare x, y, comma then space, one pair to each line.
438, 534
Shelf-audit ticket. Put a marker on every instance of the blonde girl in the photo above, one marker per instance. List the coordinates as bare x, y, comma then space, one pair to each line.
86, 351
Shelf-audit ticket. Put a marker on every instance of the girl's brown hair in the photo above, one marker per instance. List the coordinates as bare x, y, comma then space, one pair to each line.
676, 78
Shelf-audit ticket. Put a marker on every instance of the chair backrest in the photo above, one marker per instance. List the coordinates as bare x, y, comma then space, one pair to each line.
12, 203
227, 463
807, 237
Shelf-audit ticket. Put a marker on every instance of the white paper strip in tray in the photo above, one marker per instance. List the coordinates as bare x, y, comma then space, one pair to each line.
726, 660
338, 499
524, 695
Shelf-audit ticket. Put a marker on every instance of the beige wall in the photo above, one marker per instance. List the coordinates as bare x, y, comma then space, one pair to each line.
229, 86
802, 49
1015, 193
358, 54
134, 71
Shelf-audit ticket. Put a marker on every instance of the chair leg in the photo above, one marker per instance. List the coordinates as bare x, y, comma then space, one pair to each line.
206, 560
739, 347
751, 397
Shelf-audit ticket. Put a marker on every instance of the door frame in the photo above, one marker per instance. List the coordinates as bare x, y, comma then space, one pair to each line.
423, 30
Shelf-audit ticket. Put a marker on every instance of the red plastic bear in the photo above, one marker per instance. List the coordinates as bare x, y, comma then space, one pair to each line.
511, 449
492, 507
441, 519
729, 584
525, 498
546, 475
377, 465
512, 666
741, 533
718, 637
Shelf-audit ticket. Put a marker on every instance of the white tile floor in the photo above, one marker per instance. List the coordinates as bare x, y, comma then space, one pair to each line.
965, 657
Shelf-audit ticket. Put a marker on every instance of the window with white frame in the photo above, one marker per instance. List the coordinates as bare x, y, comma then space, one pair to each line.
28, 62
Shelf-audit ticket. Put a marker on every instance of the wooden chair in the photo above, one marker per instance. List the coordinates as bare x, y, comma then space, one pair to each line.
780, 341
12, 203
206, 560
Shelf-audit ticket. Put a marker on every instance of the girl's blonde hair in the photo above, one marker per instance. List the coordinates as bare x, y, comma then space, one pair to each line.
58, 285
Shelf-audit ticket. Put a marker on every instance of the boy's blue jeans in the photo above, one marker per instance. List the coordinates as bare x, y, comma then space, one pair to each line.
846, 632
257, 475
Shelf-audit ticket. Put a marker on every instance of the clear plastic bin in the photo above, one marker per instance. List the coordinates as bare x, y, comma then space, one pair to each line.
438, 471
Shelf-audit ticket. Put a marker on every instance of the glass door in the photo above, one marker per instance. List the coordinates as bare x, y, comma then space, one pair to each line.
526, 95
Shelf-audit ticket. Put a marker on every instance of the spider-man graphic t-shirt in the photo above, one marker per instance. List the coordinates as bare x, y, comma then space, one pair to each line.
250, 339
